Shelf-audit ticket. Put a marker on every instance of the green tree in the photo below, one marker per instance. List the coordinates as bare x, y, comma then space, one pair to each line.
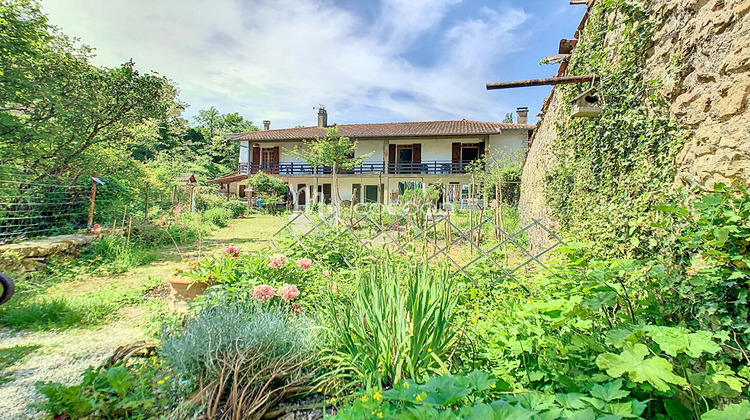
213, 125
58, 113
334, 151
508, 118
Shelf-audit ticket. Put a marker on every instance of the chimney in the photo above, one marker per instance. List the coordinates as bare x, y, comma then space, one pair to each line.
322, 117
266, 125
522, 115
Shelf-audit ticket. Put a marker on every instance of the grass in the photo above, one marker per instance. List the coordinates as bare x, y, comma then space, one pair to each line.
82, 294
11, 356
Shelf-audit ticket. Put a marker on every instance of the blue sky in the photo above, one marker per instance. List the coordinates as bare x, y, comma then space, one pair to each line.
366, 61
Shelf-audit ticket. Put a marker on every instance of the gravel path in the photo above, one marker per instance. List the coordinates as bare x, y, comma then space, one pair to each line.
62, 357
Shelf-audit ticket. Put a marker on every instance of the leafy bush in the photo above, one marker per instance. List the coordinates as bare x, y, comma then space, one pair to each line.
117, 255
137, 392
478, 396
243, 355
205, 202
219, 216
237, 208
398, 325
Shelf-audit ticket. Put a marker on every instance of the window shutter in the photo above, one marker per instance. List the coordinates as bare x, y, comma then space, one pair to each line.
481, 149
456, 153
391, 158
256, 160
275, 169
416, 153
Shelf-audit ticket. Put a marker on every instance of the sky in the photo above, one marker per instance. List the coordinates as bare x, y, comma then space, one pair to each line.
366, 61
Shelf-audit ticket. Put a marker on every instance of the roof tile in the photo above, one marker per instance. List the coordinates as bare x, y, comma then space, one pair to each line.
402, 129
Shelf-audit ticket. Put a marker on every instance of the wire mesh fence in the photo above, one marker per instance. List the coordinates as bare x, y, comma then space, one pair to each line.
481, 245
34, 205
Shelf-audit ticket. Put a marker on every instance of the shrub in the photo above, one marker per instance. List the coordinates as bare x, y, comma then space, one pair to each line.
237, 208
398, 325
480, 396
219, 216
204, 202
243, 354
117, 255
106, 393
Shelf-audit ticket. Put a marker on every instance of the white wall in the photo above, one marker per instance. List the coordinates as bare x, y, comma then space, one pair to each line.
509, 145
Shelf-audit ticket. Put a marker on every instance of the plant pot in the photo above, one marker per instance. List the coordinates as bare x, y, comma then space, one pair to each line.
183, 289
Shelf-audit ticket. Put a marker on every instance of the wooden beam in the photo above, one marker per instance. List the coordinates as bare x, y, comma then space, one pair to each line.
542, 82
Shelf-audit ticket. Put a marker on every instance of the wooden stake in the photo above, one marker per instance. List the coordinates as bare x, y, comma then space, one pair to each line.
90, 223
145, 210
130, 228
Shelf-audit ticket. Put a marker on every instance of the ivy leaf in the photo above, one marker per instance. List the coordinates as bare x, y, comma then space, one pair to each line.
610, 391
654, 370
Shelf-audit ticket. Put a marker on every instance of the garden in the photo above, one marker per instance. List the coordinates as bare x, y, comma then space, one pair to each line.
392, 335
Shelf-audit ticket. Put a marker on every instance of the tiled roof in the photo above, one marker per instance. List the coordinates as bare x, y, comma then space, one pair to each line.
403, 129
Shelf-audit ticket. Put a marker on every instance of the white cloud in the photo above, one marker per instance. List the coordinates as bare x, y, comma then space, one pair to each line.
275, 60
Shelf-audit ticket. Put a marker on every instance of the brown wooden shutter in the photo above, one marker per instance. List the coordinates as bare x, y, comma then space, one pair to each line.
456, 153
391, 158
275, 169
256, 160
416, 155
348, 171
481, 149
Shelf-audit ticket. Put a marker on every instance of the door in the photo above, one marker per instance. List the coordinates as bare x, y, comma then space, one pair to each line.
371, 193
326, 193
267, 159
301, 194
356, 193
405, 159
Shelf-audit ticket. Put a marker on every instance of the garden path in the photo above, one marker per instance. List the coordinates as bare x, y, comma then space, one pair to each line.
62, 356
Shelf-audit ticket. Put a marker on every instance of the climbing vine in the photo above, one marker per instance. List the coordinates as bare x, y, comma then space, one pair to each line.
612, 170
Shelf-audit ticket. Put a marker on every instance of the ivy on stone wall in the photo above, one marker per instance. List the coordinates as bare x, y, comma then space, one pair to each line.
612, 170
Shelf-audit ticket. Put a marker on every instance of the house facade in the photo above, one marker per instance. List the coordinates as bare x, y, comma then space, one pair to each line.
401, 155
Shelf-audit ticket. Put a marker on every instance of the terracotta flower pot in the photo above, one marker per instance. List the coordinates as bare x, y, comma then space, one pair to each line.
183, 289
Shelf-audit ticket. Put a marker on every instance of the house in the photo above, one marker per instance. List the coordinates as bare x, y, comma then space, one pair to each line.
403, 155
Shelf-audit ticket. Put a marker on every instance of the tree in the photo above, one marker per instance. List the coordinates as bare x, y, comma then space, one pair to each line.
333, 151
508, 118
213, 126
58, 113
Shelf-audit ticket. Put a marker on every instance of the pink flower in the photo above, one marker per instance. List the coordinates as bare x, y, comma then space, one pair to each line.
288, 292
326, 274
263, 292
231, 251
297, 309
277, 261
304, 263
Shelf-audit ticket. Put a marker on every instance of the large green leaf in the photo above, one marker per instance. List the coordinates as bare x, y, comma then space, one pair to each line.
739, 411
674, 340
609, 391
633, 361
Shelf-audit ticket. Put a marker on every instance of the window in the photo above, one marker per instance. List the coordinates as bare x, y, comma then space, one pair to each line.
268, 158
469, 152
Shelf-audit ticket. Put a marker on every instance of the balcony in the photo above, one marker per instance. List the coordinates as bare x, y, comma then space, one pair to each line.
414, 168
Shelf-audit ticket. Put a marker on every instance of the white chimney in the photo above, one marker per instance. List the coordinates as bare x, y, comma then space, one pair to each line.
266, 125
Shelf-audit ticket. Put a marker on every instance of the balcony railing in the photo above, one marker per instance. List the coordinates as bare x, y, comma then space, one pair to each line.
424, 167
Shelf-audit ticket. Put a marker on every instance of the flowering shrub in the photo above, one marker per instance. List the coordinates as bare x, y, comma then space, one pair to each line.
277, 261
231, 251
263, 292
304, 263
288, 292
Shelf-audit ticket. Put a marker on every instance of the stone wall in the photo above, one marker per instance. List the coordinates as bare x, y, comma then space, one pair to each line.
701, 55
710, 43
